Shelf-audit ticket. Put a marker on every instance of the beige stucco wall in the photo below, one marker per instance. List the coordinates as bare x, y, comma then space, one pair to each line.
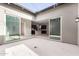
78, 25
68, 12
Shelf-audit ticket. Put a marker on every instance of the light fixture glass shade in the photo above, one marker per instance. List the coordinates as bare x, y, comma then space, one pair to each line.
77, 19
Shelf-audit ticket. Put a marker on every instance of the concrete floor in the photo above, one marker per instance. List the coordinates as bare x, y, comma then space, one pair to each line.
45, 47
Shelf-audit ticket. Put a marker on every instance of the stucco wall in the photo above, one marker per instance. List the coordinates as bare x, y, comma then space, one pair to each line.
78, 26
68, 12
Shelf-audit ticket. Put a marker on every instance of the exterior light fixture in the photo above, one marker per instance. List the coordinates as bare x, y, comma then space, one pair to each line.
77, 19
8, 3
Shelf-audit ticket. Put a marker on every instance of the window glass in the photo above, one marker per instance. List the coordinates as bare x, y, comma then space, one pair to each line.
12, 24
55, 26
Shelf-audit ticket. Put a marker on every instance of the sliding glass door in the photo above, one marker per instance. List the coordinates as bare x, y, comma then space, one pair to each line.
12, 26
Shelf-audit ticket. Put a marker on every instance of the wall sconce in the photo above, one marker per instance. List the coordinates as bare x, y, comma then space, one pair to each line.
77, 19
8, 3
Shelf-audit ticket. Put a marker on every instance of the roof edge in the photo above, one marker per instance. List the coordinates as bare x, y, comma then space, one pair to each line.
26, 10
50, 7
18, 7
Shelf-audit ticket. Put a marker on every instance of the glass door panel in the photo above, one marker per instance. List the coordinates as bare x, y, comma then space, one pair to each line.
12, 26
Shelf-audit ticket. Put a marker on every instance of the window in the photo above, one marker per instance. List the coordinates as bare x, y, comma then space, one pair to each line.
12, 25
55, 26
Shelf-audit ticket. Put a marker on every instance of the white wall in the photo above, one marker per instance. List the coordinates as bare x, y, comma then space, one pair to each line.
2, 23
16, 12
28, 28
2, 26
68, 12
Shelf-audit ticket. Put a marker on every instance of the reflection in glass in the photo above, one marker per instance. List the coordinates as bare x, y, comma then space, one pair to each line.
12, 25
55, 26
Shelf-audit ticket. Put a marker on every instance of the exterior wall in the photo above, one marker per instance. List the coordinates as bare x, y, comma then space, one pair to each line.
2, 26
68, 12
6, 10
2, 22
28, 28
25, 28
78, 25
